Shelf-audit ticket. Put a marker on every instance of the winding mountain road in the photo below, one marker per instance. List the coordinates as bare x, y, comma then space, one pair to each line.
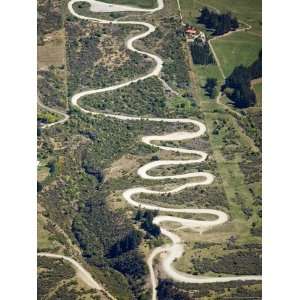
175, 249
81, 272
65, 117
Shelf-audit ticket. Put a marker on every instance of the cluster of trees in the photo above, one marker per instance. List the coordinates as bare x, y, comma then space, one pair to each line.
166, 290
132, 265
106, 243
211, 88
238, 85
146, 219
220, 23
129, 242
201, 53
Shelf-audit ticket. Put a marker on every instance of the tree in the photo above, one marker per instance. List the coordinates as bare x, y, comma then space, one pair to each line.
211, 88
52, 167
39, 131
154, 158
139, 214
210, 83
39, 187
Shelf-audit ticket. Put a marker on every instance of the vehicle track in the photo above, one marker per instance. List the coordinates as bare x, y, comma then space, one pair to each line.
81, 272
65, 117
176, 249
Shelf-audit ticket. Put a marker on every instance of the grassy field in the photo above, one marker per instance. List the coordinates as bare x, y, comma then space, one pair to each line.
258, 92
236, 49
204, 72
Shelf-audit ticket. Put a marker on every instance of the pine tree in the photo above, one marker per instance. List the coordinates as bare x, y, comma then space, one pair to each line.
139, 214
39, 187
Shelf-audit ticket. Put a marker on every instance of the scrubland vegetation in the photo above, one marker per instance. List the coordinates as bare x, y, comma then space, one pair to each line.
168, 42
97, 56
49, 17
183, 291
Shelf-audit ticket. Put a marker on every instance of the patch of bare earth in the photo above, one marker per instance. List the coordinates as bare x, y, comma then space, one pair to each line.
123, 166
53, 50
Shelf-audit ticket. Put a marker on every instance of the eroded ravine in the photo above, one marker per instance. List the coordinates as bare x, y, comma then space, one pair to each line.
176, 249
